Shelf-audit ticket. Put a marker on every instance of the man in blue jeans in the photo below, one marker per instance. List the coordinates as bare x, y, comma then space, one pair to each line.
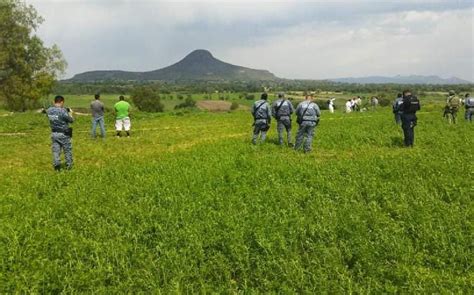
97, 109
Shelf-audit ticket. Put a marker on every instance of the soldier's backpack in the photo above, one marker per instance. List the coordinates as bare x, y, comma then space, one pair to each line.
454, 103
414, 105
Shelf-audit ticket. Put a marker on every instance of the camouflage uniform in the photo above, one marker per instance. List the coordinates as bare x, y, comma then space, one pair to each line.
262, 117
308, 114
59, 121
452, 106
281, 111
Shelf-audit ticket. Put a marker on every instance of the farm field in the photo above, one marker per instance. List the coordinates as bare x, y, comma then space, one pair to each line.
187, 205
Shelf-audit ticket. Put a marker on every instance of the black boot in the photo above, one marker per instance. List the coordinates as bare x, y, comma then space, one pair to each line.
57, 168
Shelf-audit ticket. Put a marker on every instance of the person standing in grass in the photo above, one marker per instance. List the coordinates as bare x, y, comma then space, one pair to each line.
122, 119
349, 106
281, 111
331, 104
396, 108
262, 117
469, 105
409, 106
308, 114
452, 107
97, 109
61, 133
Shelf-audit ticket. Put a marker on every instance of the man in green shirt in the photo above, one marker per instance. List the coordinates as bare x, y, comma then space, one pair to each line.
122, 119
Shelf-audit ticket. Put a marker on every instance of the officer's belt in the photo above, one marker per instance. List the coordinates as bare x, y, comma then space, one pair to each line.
58, 131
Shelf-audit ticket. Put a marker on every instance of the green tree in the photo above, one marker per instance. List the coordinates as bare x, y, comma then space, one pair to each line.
28, 69
147, 99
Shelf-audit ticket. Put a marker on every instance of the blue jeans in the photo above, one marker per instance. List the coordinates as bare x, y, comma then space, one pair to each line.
100, 121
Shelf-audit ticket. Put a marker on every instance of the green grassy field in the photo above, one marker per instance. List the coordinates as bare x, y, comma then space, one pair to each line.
187, 205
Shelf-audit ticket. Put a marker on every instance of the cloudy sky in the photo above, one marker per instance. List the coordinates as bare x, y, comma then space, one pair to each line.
292, 39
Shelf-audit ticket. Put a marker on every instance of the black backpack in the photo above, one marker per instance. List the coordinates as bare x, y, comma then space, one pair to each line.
414, 105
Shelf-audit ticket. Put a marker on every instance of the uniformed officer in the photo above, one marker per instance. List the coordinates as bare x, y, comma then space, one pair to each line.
452, 107
308, 114
410, 105
469, 105
262, 117
61, 133
281, 111
396, 108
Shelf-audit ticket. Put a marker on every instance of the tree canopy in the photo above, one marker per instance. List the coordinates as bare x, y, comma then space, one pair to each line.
28, 69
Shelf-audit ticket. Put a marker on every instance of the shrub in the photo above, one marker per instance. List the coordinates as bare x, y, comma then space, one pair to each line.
180, 96
188, 103
383, 101
234, 106
147, 100
322, 103
249, 96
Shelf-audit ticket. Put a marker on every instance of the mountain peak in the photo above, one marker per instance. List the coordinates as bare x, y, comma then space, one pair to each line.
200, 54
198, 65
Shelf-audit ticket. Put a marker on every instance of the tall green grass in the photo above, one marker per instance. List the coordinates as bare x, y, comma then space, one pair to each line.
187, 205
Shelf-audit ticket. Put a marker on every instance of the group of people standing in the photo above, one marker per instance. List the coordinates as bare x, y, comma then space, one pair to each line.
307, 116
61, 133
453, 104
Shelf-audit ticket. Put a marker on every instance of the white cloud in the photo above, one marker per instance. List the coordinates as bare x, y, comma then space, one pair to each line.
390, 44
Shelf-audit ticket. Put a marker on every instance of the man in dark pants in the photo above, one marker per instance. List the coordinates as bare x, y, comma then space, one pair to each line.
410, 105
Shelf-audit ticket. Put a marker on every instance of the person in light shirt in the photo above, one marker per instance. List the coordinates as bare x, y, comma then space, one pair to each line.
348, 106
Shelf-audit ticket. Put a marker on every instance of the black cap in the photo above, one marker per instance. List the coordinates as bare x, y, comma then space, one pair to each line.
264, 96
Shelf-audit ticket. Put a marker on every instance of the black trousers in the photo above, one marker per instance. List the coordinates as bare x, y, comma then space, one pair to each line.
408, 125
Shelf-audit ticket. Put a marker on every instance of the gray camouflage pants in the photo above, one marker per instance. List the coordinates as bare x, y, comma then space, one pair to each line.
306, 129
61, 141
284, 124
259, 128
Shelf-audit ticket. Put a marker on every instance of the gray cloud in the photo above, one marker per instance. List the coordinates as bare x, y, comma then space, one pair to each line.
293, 39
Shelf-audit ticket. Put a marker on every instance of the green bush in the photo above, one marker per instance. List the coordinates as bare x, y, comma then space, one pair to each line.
188, 103
146, 99
234, 106
383, 101
249, 96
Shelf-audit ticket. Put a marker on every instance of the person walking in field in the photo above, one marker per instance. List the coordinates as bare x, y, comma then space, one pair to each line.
409, 106
262, 116
452, 107
61, 133
358, 104
331, 104
122, 117
469, 106
374, 102
308, 115
97, 109
282, 109
396, 109
348, 106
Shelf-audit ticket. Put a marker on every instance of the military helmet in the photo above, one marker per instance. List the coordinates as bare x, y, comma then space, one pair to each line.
452, 92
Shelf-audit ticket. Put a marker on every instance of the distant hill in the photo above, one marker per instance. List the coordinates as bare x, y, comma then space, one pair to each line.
413, 79
198, 65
